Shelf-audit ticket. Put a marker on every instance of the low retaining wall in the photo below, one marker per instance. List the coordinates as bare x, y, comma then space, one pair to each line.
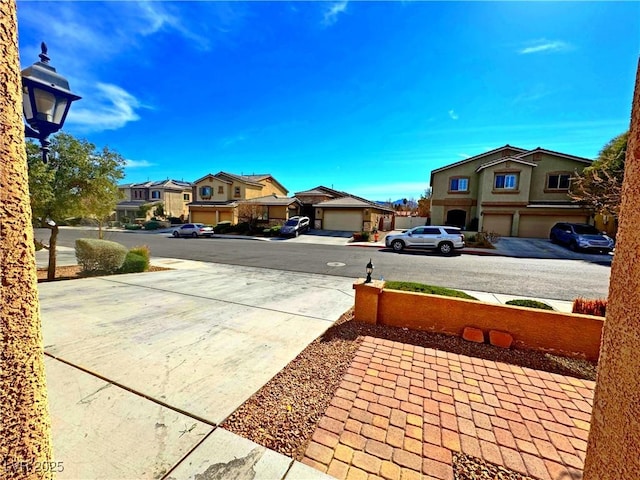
567, 334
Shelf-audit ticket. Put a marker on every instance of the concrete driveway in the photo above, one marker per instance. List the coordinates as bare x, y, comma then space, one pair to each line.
142, 368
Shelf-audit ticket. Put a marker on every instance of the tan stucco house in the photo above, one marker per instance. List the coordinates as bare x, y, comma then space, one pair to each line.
510, 191
174, 195
216, 198
331, 209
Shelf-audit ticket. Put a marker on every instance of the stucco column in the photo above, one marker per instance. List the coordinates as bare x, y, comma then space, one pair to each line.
614, 440
25, 432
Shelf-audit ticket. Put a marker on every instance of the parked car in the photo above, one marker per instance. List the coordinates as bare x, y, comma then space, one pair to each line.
193, 230
295, 226
581, 236
443, 239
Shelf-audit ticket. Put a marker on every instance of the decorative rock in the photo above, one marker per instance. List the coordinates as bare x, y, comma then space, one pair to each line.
500, 339
473, 334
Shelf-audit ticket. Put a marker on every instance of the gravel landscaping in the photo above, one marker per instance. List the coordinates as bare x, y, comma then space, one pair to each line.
283, 414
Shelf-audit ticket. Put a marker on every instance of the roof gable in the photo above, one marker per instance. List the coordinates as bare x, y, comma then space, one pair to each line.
503, 160
555, 154
507, 147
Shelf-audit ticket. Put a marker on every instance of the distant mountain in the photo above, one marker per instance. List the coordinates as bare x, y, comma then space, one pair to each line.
399, 202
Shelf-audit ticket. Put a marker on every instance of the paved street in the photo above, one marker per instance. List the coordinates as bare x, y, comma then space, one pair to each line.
530, 277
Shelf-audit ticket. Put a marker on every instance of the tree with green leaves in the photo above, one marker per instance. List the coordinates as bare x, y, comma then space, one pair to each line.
600, 184
78, 181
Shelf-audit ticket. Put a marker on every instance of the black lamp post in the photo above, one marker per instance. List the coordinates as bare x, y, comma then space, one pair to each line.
46, 99
369, 271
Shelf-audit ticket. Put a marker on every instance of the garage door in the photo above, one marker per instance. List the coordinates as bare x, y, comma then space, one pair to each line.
208, 217
533, 226
500, 224
345, 220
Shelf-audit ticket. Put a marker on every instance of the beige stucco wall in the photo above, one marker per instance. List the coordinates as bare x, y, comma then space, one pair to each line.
271, 188
551, 164
614, 440
215, 185
174, 203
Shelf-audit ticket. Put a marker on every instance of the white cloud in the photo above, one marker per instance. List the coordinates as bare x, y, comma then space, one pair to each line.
109, 107
543, 45
453, 115
335, 9
138, 163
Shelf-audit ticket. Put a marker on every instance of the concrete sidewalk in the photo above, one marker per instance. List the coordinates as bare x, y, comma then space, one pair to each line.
142, 368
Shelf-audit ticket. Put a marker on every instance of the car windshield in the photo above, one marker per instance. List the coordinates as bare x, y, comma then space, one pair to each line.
291, 223
586, 230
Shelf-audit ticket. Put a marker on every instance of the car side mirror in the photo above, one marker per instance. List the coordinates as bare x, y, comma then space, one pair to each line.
409, 234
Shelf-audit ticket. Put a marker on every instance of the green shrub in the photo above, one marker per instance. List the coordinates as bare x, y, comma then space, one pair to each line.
134, 263
144, 252
422, 288
125, 220
597, 306
243, 227
365, 236
222, 227
519, 302
156, 225
132, 226
95, 255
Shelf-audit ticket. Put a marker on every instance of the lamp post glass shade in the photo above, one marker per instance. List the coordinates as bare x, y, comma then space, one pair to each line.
369, 271
46, 99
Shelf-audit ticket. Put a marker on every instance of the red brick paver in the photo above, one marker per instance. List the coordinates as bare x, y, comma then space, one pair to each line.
401, 410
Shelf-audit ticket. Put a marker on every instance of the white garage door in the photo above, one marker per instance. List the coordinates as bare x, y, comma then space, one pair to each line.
500, 224
345, 220
532, 226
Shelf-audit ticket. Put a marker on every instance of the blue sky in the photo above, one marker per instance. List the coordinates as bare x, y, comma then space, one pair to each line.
366, 97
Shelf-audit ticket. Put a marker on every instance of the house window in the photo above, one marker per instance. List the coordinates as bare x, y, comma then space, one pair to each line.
459, 185
263, 213
155, 194
205, 191
220, 190
236, 191
558, 181
186, 197
506, 181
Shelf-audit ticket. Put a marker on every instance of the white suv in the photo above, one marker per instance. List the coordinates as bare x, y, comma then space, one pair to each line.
295, 226
443, 239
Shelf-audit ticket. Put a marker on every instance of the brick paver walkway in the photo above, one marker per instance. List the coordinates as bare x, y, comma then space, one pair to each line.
401, 410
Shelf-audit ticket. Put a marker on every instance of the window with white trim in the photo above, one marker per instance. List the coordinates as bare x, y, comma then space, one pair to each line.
505, 181
205, 191
459, 184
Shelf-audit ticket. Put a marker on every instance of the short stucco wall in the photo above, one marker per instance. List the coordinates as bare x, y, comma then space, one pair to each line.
566, 334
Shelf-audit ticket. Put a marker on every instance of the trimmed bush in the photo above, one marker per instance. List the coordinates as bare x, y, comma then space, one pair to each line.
144, 252
518, 302
590, 306
134, 263
222, 227
156, 225
132, 226
95, 255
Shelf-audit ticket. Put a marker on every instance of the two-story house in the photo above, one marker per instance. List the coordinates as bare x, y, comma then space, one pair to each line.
218, 198
174, 195
510, 191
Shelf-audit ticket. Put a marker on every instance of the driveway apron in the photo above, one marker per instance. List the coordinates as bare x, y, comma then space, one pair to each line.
142, 368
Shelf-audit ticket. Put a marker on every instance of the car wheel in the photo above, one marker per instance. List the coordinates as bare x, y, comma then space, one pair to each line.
553, 238
176, 234
445, 248
573, 246
194, 235
397, 245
